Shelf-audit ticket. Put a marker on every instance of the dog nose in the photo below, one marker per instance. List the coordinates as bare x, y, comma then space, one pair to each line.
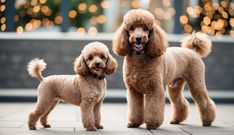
138, 39
97, 65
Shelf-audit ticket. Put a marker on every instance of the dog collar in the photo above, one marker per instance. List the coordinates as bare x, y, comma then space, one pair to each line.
141, 52
96, 76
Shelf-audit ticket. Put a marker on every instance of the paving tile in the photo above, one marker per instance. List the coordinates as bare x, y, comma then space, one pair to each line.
115, 131
40, 131
65, 119
11, 124
169, 131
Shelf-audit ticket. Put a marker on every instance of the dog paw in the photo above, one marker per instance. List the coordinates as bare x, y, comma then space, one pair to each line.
133, 125
174, 122
91, 129
206, 123
152, 126
99, 127
32, 128
47, 126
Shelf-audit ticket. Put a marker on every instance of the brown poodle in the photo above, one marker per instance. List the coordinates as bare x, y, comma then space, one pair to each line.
85, 89
149, 67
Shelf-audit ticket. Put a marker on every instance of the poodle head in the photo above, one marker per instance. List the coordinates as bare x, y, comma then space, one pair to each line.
96, 59
139, 34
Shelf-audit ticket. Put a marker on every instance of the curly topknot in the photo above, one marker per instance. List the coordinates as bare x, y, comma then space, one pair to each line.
138, 16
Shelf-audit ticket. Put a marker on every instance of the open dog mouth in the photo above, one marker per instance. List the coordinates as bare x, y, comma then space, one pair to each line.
138, 45
97, 68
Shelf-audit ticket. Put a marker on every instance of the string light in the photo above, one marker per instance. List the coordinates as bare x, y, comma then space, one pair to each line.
136, 4
58, 19
159, 13
232, 22
93, 20
183, 19
101, 19
166, 3
42, 1
2, 8
19, 29
93, 8
2, 18
82, 7
80, 30
188, 28
28, 26
105, 4
92, 31
206, 20
72, 14
36, 9
34, 2
231, 33
3, 27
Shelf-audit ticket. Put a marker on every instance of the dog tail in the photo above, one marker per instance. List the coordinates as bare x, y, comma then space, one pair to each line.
199, 42
35, 67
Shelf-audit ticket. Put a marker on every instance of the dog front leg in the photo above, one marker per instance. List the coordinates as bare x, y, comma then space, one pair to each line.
154, 108
97, 113
87, 115
135, 108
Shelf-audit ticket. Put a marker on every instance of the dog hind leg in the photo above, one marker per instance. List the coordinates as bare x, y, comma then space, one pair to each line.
44, 116
180, 106
205, 104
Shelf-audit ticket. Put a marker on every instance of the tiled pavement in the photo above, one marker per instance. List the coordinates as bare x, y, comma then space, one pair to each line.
65, 120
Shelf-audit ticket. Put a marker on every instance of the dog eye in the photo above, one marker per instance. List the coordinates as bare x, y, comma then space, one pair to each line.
145, 28
103, 57
90, 58
132, 28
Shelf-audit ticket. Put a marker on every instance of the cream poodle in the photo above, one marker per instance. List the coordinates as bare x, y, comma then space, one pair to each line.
150, 67
85, 89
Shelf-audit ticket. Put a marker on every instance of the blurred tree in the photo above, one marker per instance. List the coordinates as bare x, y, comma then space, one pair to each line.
86, 13
32, 14
210, 17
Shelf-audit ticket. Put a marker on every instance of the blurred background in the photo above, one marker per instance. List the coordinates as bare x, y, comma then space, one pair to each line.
57, 30
214, 17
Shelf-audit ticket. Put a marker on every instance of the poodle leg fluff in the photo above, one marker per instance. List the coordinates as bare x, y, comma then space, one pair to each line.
135, 108
206, 106
97, 114
87, 115
154, 109
42, 108
180, 106
44, 117
32, 120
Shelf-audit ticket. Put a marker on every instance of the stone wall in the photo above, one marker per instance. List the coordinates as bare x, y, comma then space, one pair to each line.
59, 54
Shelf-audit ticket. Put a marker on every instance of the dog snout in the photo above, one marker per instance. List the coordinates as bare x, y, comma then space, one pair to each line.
138, 39
97, 65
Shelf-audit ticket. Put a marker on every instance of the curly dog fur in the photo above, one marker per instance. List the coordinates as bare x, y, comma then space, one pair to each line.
150, 67
85, 89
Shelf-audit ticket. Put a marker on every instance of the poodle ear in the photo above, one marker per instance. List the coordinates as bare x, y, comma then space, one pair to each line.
80, 66
111, 65
120, 43
157, 42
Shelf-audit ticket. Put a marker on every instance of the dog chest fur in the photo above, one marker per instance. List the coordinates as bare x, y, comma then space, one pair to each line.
138, 73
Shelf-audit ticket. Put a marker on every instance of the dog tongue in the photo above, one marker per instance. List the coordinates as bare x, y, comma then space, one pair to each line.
138, 45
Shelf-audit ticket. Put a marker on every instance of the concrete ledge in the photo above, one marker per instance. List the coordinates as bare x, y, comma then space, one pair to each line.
99, 36
112, 96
